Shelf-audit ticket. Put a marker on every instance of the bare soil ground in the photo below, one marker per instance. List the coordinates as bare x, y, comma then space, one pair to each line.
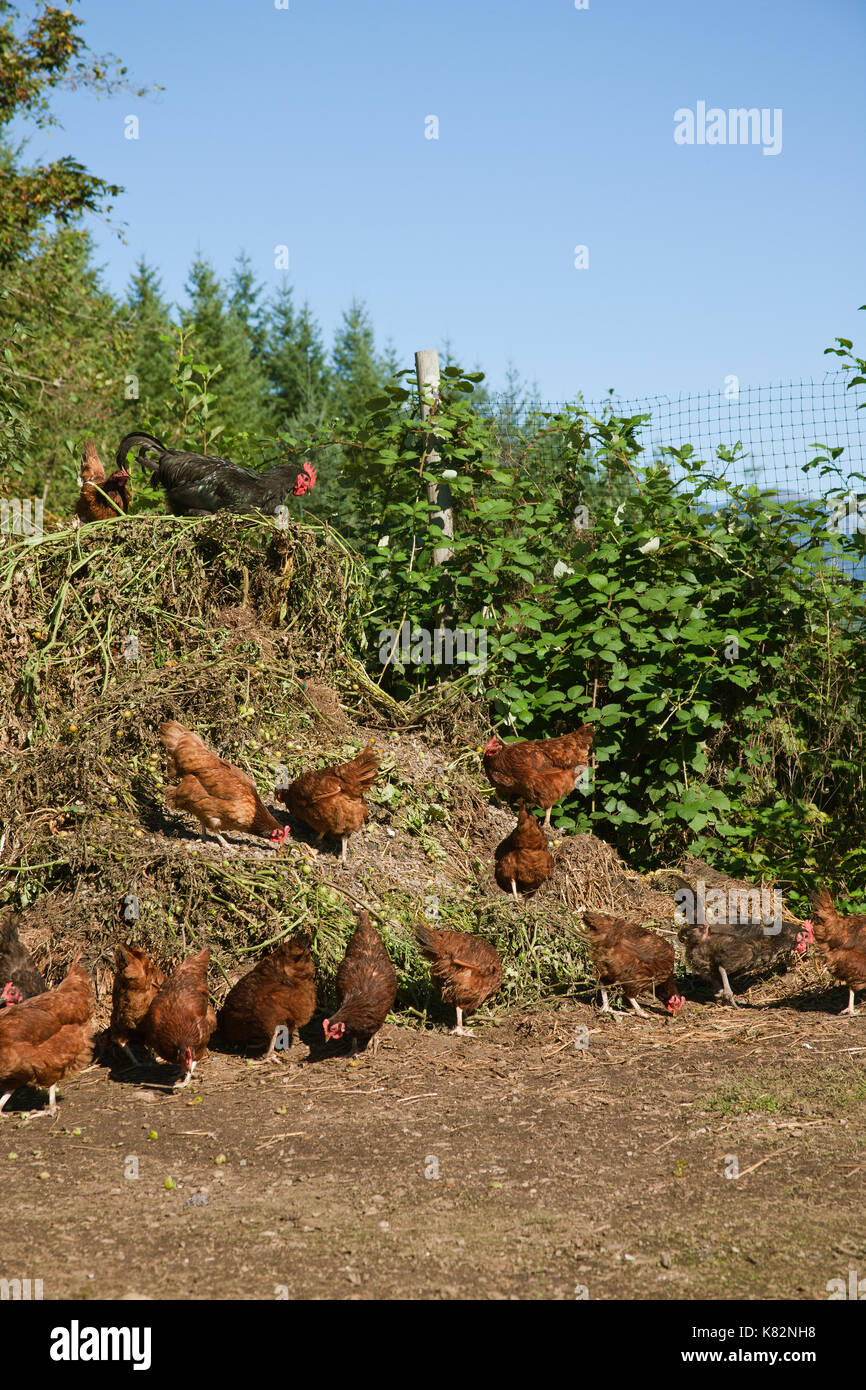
516, 1164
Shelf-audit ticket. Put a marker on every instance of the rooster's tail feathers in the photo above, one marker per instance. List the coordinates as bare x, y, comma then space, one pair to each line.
143, 442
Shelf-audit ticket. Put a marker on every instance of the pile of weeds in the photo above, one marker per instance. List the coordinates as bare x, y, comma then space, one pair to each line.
251, 636
247, 634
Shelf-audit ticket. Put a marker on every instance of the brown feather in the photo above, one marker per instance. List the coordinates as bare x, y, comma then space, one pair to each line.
220, 795
331, 800
841, 940
91, 504
136, 982
180, 1017
366, 983
49, 1036
630, 956
279, 990
466, 969
539, 772
523, 856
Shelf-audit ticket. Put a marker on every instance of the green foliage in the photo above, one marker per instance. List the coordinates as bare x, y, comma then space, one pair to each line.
150, 356
34, 61
218, 336
358, 372
852, 364
244, 296
14, 424
191, 409
68, 361
296, 362
709, 630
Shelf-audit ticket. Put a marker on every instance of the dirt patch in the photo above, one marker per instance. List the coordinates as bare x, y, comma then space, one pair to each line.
511, 1165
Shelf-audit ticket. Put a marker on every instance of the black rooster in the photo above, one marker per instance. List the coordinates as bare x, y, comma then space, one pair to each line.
198, 484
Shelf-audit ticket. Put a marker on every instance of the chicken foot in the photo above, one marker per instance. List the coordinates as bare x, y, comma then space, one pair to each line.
272, 1055
849, 1009
215, 835
37, 1114
34, 1114
460, 1031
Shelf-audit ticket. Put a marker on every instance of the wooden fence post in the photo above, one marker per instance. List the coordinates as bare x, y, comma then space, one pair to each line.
438, 494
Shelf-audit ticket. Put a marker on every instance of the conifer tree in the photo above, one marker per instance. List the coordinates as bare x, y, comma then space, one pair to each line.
220, 337
358, 372
150, 358
295, 361
244, 295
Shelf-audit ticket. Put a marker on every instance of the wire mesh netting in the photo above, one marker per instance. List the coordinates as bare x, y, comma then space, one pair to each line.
781, 427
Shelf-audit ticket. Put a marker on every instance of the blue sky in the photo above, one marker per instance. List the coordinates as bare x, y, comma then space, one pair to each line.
306, 127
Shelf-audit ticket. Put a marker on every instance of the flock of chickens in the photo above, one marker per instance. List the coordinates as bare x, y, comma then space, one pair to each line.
45, 1035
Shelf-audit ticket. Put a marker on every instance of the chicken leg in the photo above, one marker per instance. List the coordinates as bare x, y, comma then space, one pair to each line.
272, 1055
460, 1030
215, 835
547, 818
52, 1105
726, 990
605, 1006
641, 1013
849, 1007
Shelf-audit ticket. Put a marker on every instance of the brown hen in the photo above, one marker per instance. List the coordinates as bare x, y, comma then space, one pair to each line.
101, 497
522, 859
732, 949
466, 969
19, 978
540, 771
842, 941
179, 1022
366, 988
136, 983
633, 958
47, 1037
331, 800
279, 992
220, 795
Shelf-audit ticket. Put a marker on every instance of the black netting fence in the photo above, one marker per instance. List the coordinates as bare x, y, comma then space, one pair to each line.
780, 428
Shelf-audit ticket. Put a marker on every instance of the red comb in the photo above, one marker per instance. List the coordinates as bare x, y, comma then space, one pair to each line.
306, 480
